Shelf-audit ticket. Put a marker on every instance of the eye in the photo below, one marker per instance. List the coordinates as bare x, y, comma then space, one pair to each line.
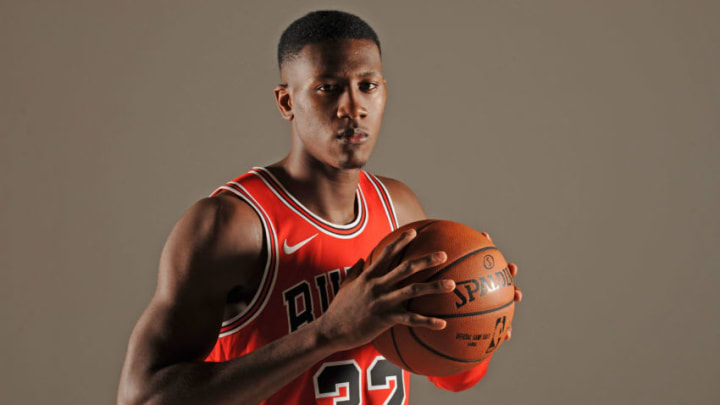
368, 86
328, 87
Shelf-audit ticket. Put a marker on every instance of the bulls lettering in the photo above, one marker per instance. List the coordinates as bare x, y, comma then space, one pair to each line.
298, 303
304, 303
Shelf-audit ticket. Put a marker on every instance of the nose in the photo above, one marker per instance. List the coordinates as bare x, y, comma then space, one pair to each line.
350, 105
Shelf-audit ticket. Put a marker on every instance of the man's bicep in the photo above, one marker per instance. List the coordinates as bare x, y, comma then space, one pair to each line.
174, 332
407, 206
213, 248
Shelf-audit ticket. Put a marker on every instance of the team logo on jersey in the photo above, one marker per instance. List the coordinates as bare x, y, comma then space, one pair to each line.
300, 300
288, 250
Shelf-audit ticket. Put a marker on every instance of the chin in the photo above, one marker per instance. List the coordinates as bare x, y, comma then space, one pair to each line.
352, 159
352, 164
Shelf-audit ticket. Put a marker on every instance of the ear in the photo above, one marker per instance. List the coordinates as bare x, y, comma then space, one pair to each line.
283, 100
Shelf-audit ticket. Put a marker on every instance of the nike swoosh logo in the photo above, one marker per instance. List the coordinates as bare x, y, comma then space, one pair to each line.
288, 250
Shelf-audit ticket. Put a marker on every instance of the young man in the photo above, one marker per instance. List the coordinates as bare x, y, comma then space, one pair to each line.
262, 292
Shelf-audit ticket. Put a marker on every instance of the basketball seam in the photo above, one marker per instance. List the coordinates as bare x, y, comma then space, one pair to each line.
485, 311
425, 226
461, 259
446, 268
397, 350
412, 333
402, 252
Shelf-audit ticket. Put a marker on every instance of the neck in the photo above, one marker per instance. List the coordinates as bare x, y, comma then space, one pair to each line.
325, 190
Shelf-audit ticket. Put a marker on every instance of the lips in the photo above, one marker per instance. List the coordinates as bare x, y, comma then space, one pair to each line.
352, 136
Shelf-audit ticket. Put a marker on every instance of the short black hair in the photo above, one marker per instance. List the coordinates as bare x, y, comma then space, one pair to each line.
320, 26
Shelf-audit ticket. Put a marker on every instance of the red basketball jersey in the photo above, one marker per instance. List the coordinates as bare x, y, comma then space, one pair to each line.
307, 259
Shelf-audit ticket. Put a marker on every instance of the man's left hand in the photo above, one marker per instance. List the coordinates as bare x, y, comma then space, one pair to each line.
518, 293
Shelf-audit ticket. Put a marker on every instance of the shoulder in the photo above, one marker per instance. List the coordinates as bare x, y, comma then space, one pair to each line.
407, 206
214, 238
220, 220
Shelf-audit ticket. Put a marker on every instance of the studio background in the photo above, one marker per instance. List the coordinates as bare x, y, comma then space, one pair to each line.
583, 136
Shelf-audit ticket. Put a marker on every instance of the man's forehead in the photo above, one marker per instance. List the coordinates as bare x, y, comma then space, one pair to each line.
337, 58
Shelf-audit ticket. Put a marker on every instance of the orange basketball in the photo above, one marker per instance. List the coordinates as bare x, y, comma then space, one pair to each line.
478, 311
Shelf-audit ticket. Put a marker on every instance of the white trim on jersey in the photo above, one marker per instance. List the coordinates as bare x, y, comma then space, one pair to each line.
360, 197
386, 385
269, 233
295, 200
345, 384
392, 206
393, 225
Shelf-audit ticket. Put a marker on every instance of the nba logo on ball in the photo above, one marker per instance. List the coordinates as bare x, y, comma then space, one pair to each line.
477, 312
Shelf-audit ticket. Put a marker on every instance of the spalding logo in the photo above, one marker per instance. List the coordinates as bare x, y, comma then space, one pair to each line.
468, 290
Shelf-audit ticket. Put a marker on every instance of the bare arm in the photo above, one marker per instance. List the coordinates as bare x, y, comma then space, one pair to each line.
218, 245
406, 204
215, 246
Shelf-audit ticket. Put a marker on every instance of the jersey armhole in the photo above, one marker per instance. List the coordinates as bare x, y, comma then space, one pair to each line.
267, 282
386, 200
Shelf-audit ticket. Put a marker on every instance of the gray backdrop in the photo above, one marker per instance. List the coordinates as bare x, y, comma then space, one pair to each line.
583, 136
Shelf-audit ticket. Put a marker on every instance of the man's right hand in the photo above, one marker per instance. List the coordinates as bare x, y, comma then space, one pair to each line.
214, 239
372, 300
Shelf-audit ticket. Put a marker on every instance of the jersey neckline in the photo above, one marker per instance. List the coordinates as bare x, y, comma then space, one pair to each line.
346, 230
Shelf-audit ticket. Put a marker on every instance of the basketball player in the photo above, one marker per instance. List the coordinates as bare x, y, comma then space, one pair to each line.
261, 293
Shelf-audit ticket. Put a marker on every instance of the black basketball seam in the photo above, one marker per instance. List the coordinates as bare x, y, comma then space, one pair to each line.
486, 311
423, 344
392, 330
461, 259
397, 350
425, 226
446, 268
402, 252
417, 232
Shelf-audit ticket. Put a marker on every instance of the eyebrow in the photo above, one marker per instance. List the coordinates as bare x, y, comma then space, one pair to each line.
363, 74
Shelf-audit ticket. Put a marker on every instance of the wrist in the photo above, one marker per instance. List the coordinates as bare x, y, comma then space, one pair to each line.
323, 337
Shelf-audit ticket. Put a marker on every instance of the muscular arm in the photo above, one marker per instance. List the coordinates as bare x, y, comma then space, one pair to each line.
215, 246
218, 245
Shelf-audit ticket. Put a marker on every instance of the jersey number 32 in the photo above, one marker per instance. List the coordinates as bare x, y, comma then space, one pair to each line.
333, 375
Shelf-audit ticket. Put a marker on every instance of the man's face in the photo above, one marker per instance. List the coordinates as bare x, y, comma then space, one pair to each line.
335, 101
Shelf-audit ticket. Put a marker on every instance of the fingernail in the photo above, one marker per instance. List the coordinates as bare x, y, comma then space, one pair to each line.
439, 256
449, 283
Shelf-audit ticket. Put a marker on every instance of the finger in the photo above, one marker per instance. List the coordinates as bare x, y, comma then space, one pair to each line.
354, 271
418, 290
518, 295
513, 269
487, 235
390, 251
416, 320
410, 267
